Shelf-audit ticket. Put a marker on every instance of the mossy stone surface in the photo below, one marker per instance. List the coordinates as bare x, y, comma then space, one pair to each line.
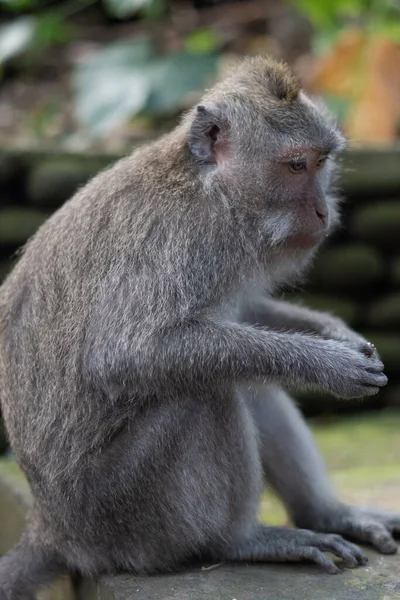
347, 266
53, 181
19, 224
378, 224
379, 580
15, 500
362, 453
370, 171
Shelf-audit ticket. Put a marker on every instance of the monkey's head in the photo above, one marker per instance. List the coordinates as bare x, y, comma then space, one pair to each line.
259, 140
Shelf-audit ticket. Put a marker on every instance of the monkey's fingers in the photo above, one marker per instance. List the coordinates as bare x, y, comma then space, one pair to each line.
316, 556
351, 555
376, 366
371, 382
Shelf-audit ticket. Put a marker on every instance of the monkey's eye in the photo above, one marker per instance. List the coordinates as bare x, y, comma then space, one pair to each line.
297, 166
321, 161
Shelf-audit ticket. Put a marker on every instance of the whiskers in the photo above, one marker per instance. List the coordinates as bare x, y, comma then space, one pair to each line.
277, 229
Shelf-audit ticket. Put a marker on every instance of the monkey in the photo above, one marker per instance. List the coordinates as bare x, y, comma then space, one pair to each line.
145, 357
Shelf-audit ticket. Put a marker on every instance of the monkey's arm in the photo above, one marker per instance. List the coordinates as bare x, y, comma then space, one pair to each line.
296, 470
205, 351
280, 315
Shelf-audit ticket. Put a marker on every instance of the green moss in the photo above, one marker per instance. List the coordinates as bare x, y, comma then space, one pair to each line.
272, 510
362, 454
10, 471
361, 440
369, 475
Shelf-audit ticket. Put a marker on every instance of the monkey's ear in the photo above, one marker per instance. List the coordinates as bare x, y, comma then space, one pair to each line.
206, 133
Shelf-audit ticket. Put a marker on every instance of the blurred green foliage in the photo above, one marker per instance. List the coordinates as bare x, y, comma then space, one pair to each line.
122, 79
329, 16
130, 77
18, 5
124, 9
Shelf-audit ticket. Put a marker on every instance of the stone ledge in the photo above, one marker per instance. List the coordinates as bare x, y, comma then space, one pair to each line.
380, 580
366, 170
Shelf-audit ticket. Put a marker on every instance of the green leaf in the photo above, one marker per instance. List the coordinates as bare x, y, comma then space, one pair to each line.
390, 31
320, 13
201, 41
18, 5
153, 10
127, 78
123, 9
113, 86
16, 37
324, 39
173, 77
53, 29
328, 13
337, 106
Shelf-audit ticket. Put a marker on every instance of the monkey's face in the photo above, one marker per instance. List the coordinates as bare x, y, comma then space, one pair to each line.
287, 186
302, 212
271, 150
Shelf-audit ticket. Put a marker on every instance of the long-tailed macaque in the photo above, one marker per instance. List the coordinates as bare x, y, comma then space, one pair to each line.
143, 356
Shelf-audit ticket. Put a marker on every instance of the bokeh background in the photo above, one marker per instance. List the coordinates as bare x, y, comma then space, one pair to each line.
83, 82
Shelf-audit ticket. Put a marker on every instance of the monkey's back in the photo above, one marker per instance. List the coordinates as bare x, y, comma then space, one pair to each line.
111, 235
45, 304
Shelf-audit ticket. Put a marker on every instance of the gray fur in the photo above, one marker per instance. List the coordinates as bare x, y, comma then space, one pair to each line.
125, 347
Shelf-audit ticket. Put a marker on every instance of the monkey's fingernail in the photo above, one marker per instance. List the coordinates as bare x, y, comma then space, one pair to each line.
368, 349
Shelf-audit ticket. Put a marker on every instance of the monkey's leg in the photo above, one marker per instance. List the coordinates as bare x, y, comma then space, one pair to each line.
293, 465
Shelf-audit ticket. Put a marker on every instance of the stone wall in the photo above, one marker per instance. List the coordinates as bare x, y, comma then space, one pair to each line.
356, 276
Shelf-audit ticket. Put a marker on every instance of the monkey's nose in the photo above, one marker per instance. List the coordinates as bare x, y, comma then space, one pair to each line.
323, 215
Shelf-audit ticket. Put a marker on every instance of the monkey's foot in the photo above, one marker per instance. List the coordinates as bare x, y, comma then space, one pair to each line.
375, 527
280, 544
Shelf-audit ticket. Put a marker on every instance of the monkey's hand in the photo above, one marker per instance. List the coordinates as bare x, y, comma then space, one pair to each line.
347, 370
375, 527
335, 329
